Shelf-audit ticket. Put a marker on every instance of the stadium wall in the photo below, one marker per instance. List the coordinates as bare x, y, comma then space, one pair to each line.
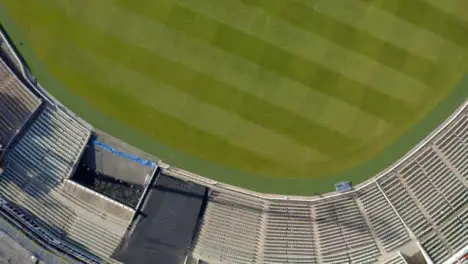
188, 176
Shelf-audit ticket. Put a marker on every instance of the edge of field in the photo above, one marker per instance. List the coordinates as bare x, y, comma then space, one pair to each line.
296, 186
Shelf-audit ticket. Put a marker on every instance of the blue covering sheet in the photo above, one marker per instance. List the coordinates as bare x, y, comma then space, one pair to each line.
102, 145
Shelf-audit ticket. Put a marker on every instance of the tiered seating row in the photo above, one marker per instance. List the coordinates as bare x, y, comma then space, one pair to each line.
404, 204
72, 220
454, 145
34, 198
4, 47
397, 259
455, 231
344, 236
385, 222
35, 168
360, 243
436, 249
427, 195
331, 242
455, 195
16, 103
289, 235
230, 230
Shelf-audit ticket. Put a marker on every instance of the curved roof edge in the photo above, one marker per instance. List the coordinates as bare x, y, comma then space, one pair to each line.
176, 172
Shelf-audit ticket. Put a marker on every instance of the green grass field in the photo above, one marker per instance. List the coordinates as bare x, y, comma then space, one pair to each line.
283, 96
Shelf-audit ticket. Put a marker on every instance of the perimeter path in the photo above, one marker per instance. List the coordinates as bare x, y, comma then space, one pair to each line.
462, 110
420, 201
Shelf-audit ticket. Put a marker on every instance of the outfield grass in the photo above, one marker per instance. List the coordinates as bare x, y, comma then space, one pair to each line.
294, 93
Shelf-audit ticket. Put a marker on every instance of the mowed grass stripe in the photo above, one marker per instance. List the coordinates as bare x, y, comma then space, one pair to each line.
456, 8
26, 25
347, 36
170, 130
199, 85
182, 106
66, 62
306, 45
233, 70
278, 60
446, 55
387, 27
427, 16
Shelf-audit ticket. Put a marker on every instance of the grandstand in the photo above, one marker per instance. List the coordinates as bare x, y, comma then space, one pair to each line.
9, 53
45, 144
17, 104
85, 193
35, 175
424, 197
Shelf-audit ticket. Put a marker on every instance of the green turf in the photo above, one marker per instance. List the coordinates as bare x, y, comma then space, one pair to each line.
274, 95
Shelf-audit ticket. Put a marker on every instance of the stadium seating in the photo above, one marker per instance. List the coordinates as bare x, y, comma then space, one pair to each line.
436, 248
343, 233
426, 193
424, 197
449, 187
17, 103
9, 53
404, 204
231, 229
35, 169
50, 146
289, 235
421, 187
455, 231
454, 145
385, 222
395, 259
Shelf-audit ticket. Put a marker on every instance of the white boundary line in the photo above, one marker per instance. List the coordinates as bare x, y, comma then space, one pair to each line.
217, 185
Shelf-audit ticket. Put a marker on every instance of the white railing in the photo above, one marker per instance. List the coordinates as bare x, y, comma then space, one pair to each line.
103, 197
217, 185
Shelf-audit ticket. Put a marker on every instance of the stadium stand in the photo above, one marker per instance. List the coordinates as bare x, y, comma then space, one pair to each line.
423, 198
35, 169
386, 224
397, 194
281, 245
453, 237
421, 201
343, 233
231, 228
17, 104
8, 52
